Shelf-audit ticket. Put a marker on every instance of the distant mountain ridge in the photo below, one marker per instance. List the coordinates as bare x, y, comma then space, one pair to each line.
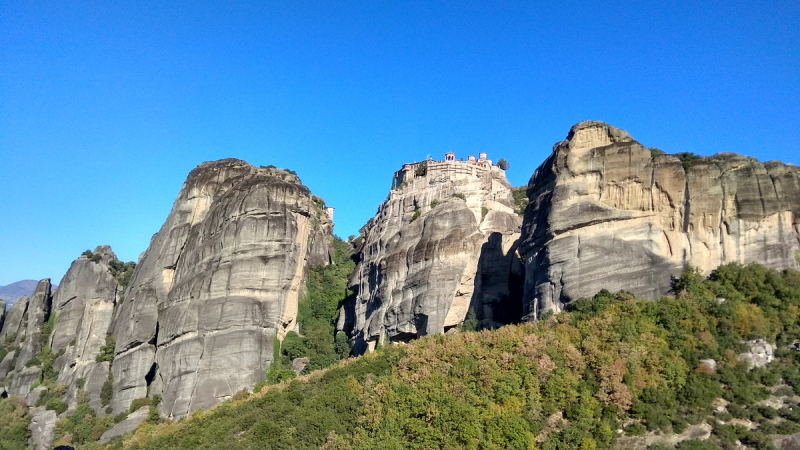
13, 291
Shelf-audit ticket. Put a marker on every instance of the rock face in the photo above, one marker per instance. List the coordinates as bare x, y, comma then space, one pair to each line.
129, 424
11, 332
322, 221
84, 306
43, 426
761, 353
606, 212
13, 318
441, 244
29, 338
219, 281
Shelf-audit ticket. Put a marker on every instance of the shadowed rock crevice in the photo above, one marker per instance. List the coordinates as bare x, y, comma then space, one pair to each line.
499, 281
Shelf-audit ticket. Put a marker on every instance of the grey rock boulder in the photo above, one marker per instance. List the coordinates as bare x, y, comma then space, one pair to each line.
298, 364
127, 425
42, 427
33, 395
759, 355
710, 364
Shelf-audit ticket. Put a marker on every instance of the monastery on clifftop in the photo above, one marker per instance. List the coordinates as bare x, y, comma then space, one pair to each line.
440, 171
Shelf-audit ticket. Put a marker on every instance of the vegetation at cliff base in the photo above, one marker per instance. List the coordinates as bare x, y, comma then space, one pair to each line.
611, 368
14, 421
317, 313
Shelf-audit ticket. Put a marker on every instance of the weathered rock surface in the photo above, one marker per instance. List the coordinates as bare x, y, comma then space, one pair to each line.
13, 318
651, 439
605, 212
11, 330
42, 427
29, 338
442, 243
84, 306
298, 364
761, 353
322, 219
791, 442
127, 425
219, 281
33, 396
710, 364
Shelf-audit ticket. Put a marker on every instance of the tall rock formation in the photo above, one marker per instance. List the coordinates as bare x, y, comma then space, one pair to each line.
10, 336
218, 282
443, 242
84, 306
606, 212
29, 340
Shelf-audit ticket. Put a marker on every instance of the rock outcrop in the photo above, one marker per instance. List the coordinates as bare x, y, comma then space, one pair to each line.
13, 320
9, 335
759, 355
606, 212
84, 306
127, 425
42, 427
29, 340
218, 283
441, 244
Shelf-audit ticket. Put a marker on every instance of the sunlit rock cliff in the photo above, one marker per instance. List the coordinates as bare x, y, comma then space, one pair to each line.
606, 212
441, 244
28, 338
84, 306
219, 281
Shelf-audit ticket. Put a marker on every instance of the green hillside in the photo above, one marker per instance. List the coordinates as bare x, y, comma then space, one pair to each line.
569, 381
612, 367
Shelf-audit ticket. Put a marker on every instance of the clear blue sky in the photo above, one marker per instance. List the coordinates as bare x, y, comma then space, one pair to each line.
106, 106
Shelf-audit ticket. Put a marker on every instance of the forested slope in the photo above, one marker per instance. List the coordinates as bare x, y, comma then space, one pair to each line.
612, 367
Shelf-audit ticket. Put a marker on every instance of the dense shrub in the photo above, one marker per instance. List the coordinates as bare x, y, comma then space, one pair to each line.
107, 390
14, 421
56, 405
422, 169
317, 313
107, 350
